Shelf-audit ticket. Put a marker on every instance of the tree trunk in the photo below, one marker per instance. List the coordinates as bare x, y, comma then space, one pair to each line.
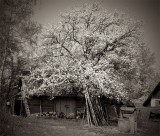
11, 80
25, 102
2, 75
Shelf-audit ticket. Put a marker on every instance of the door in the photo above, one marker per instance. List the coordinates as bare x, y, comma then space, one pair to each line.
17, 107
65, 104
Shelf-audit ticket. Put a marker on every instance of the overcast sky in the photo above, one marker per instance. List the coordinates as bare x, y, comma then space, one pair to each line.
147, 10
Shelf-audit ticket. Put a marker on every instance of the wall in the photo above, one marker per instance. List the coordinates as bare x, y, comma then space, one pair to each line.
58, 104
65, 104
80, 104
155, 102
34, 105
143, 114
47, 105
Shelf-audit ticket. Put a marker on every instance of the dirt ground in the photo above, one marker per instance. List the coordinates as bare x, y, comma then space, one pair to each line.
62, 127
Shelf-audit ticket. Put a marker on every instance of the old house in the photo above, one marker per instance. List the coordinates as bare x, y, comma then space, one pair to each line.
153, 99
65, 104
59, 103
70, 101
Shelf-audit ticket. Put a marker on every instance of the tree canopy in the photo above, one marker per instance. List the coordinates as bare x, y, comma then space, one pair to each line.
93, 50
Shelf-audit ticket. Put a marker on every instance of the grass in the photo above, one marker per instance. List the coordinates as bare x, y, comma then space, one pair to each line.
18, 126
6, 124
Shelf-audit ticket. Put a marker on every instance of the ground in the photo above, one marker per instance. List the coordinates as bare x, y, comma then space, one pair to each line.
62, 127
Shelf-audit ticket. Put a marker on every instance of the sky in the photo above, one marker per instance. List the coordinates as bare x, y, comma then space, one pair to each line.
48, 12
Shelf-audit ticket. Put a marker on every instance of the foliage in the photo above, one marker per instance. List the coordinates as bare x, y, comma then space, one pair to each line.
93, 50
17, 31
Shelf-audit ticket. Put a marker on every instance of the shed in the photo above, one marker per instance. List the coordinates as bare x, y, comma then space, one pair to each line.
59, 104
153, 99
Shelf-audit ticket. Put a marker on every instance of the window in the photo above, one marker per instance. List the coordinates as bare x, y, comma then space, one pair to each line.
157, 102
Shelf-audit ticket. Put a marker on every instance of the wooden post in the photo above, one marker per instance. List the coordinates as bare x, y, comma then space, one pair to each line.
131, 121
84, 112
87, 110
135, 120
40, 107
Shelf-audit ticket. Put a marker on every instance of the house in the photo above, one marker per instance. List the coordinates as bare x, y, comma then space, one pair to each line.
153, 99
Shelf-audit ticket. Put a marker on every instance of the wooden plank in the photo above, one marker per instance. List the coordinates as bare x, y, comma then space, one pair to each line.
88, 114
90, 106
72, 105
40, 106
127, 115
127, 109
149, 108
57, 106
47, 105
34, 110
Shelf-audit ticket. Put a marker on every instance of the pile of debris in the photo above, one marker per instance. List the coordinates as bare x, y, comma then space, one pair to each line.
46, 114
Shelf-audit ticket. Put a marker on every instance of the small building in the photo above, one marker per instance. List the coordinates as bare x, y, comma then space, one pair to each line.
63, 104
153, 99
70, 101
59, 104
66, 104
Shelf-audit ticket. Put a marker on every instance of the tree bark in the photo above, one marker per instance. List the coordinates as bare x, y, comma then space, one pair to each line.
2, 75
25, 102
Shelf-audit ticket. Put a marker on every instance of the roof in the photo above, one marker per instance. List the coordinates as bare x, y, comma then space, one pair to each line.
156, 89
70, 91
61, 94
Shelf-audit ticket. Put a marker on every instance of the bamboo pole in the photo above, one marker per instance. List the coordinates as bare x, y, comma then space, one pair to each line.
92, 110
88, 114
103, 118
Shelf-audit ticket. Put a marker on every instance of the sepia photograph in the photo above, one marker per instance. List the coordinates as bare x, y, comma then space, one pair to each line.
79, 68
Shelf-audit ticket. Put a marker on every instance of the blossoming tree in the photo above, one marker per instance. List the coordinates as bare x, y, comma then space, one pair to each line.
94, 52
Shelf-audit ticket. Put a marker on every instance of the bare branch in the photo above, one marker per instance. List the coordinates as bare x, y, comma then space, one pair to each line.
88, 19
103, 25
128, 34
115, 44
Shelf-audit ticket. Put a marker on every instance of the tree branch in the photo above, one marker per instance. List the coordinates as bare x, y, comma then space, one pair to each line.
116, 43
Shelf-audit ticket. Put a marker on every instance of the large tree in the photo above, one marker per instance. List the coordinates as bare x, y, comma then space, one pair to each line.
93, 51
